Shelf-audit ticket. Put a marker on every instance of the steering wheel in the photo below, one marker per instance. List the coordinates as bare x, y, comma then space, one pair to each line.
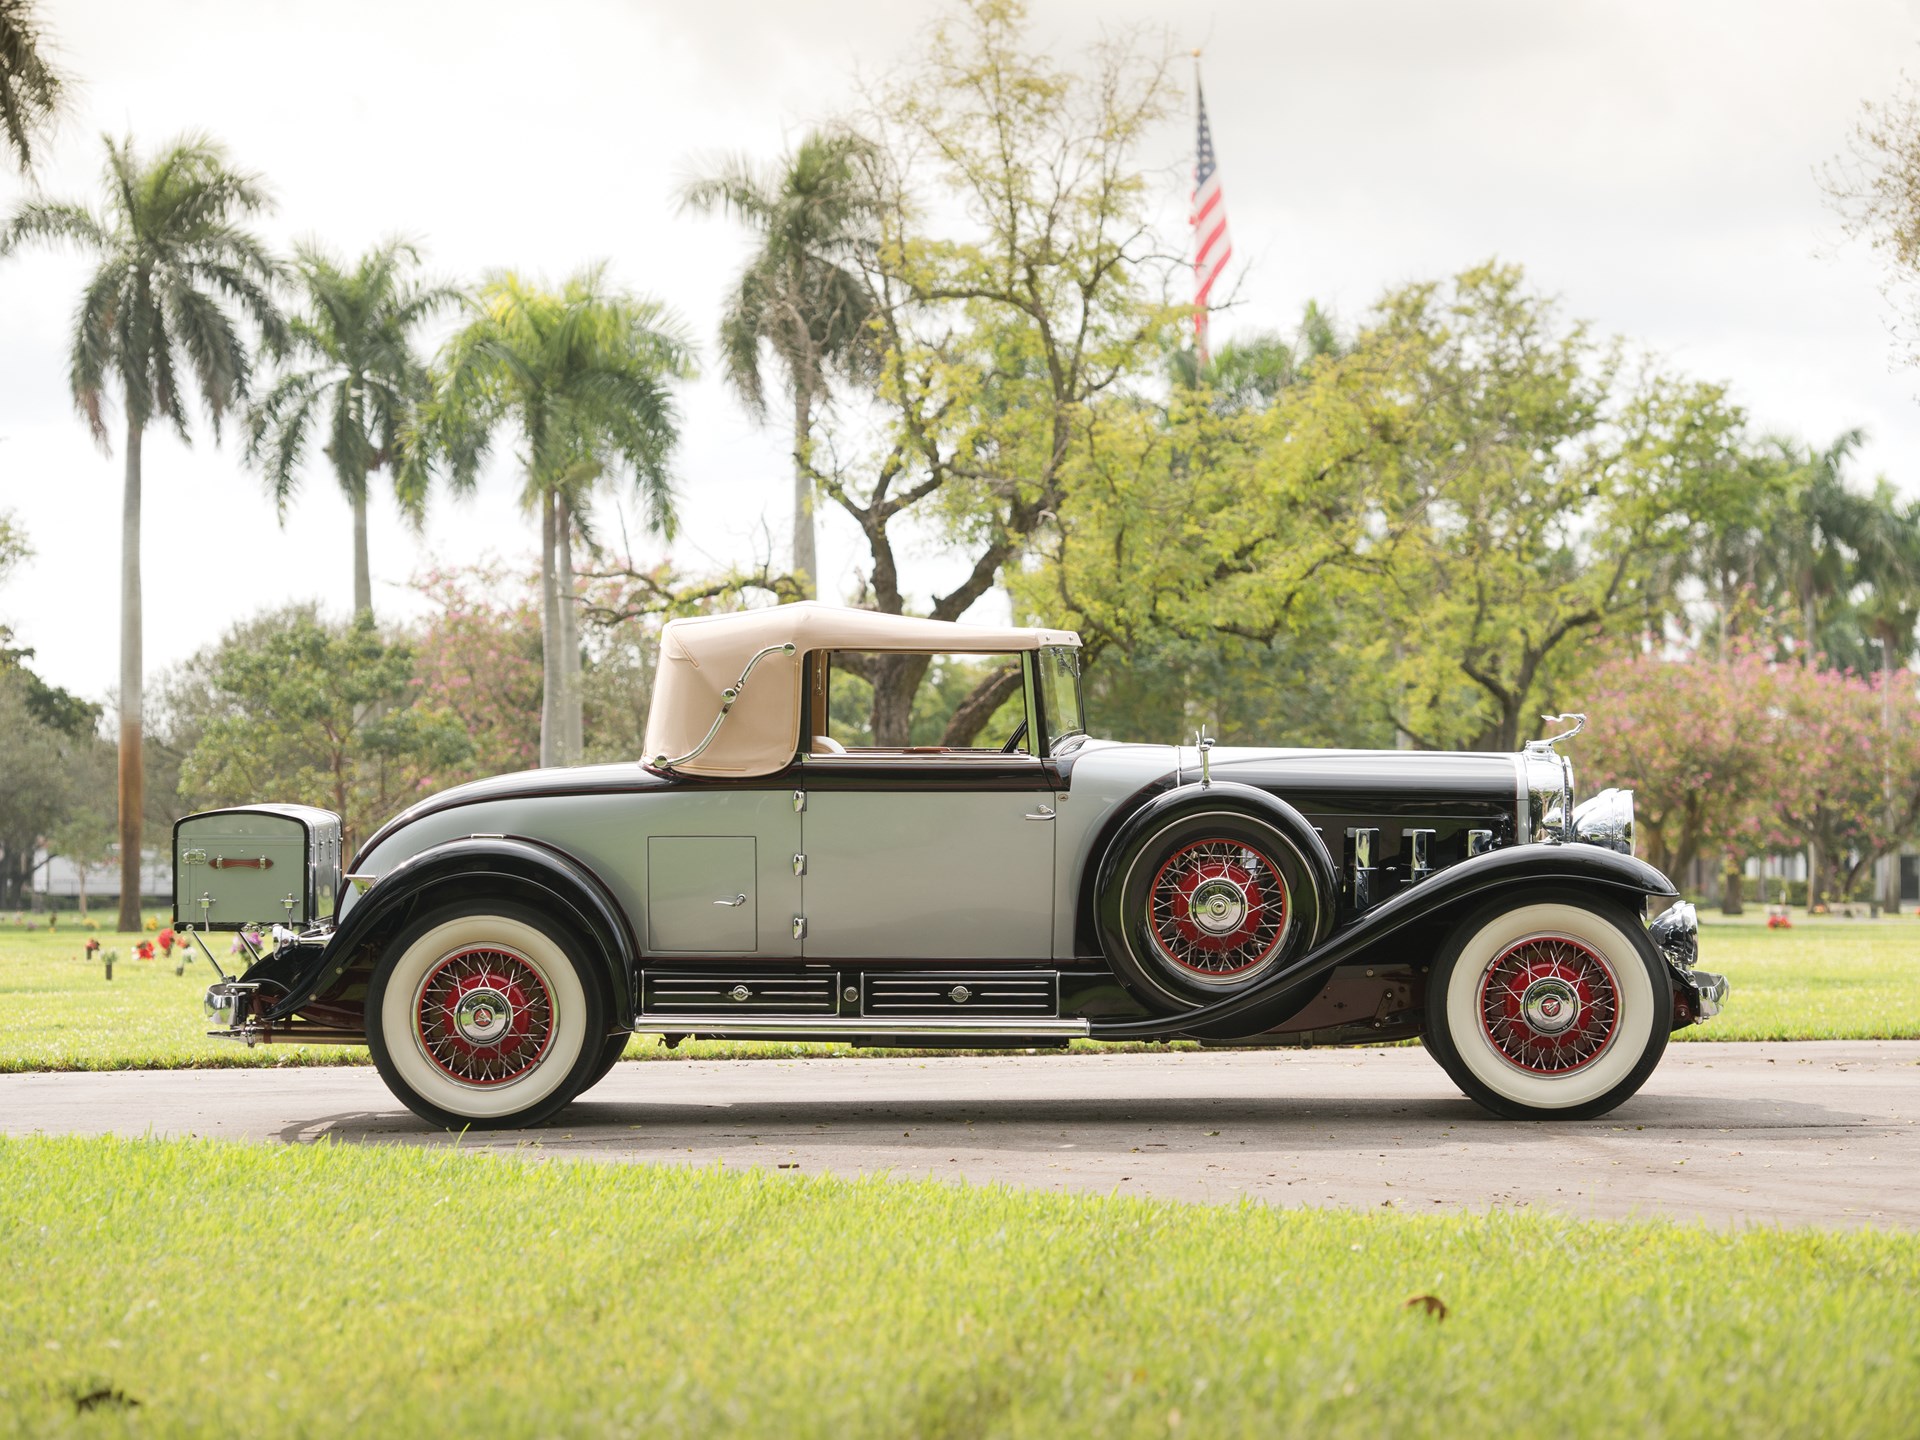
1013, 740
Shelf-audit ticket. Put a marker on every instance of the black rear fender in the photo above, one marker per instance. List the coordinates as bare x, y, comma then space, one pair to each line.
1405, 929
477, 868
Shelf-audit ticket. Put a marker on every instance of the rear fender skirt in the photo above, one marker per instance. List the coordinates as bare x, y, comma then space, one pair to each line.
489, 867
1519, 868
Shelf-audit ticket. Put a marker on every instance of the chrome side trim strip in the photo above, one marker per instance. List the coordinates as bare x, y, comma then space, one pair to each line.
828, 1027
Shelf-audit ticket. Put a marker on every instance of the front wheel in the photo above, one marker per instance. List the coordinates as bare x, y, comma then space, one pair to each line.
482, 1016
1557, 1009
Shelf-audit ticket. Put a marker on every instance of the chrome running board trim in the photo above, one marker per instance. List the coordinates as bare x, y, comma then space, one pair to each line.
828, 1027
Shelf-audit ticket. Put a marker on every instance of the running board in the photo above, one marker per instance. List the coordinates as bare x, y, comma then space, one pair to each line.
833, 1027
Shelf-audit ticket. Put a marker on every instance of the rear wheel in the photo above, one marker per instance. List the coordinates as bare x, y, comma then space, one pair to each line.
485, 1016
1553, 1010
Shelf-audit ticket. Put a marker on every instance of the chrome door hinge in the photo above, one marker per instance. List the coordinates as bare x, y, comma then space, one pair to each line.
799, 864
799, 927
799, 801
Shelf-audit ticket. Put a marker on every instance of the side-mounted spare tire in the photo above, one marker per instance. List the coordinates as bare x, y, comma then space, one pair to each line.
1206, 891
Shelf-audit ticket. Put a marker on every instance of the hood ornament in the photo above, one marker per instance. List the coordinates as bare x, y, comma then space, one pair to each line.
1545, 747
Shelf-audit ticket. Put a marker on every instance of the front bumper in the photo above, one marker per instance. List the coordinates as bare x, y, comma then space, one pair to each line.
1697, 994
1709, 994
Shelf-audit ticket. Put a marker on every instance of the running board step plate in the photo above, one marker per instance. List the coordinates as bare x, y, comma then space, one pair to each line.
1029, 995
739, 993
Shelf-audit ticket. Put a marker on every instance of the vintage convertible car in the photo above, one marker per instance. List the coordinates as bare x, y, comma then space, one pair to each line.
754, 876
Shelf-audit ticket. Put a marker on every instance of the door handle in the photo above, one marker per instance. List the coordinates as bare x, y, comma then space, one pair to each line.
1045, 812
736, 900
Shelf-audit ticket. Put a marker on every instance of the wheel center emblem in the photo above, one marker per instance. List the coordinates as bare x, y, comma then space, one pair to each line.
1550, 1005
482, 1016
1218, 906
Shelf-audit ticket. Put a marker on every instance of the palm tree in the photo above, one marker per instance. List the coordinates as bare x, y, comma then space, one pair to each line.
31, 90
583, 376
353, 363
177, 271
1822, 526
800, 295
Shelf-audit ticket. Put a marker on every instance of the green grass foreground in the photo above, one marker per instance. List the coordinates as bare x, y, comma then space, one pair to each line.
256, 1290
1820, 980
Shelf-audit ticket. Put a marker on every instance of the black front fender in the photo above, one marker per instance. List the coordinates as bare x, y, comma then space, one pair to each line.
482, 866
1517, 868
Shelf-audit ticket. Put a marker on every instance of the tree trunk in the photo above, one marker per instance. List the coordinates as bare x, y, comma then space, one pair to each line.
362, 571
896, 680
133, 774
567, 630
549, 638
1732, 889
805, 567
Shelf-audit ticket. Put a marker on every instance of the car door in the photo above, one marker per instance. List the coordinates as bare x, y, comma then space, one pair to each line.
949, 858
721, 867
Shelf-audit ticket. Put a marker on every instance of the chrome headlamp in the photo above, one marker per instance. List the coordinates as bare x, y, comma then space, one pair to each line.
1606, 819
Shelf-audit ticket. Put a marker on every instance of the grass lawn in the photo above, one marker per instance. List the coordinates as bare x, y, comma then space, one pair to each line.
1821, 980
255, 1290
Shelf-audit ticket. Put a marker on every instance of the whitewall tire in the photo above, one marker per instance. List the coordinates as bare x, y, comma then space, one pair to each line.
482, 1016
1557, 1008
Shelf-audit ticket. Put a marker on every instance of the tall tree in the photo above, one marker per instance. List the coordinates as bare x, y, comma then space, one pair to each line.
584, 375
1007, 343
800, 295
178, 276
32, 90
353, 374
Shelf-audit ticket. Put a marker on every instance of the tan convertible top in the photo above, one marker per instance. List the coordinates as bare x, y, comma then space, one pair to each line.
701, 658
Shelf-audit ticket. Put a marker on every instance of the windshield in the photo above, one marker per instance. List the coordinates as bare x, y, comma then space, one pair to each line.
1060, 693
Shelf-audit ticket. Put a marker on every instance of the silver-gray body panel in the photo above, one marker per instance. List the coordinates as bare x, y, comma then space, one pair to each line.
612, 835
929, 874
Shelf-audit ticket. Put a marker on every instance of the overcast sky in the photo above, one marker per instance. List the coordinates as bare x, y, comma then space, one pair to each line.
1650, 163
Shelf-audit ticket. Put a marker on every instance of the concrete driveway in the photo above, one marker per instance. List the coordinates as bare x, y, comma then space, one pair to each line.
1808, 1133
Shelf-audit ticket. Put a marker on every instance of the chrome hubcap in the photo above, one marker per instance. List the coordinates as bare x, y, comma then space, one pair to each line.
482, 1016
1550, 1006
1218, 906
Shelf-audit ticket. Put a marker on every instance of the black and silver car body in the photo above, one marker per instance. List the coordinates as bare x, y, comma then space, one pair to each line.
496, 943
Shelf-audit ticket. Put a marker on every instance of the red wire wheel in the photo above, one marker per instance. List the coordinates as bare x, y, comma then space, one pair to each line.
1549, 1005
1218, 909
484, 1016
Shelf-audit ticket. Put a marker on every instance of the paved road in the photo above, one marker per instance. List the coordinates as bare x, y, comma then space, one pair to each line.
1810, 1133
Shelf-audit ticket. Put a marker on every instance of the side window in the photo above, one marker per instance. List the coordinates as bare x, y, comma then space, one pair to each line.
965, 705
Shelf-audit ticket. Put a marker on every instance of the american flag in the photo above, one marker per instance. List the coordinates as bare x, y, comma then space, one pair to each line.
1212, 247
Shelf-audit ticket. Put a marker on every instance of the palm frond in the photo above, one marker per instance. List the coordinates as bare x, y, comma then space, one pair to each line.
32, 91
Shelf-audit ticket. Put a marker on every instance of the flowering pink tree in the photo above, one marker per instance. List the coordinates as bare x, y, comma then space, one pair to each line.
1842, 741
478, 657
1731, 756
1690, 738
